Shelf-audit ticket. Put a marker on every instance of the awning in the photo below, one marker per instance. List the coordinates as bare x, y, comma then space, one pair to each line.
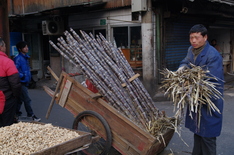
41, 7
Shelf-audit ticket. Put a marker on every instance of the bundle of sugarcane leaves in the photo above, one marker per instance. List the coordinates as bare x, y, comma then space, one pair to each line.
193, 86
109, 71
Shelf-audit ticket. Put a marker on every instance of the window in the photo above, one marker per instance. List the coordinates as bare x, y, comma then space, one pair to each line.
129, 40
102, 31
135, 46
121, 37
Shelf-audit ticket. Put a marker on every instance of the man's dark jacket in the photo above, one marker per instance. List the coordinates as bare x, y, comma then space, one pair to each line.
210, 125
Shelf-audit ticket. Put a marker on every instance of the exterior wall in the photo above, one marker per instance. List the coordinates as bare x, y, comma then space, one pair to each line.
116, 17
117, 3
55, 64
113, 18
34, 6
223, 37
23, 7
223, 40
149, 67
219, 22
73, 69
177, 42
232, 50
149, 80
120, 18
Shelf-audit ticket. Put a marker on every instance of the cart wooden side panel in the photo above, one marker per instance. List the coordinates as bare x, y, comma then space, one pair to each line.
128, 138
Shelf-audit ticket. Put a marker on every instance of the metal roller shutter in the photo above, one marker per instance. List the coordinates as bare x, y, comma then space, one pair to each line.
176, 43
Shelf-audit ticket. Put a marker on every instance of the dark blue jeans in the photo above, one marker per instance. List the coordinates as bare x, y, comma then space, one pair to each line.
24, 98
204, 145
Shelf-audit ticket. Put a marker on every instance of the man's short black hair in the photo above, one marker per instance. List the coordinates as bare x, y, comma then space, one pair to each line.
198, 28
21, 45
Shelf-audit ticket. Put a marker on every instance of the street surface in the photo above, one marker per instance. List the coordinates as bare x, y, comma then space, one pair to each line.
61, 117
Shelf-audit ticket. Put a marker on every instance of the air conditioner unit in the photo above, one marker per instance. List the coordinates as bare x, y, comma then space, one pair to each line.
50, 27
139, 5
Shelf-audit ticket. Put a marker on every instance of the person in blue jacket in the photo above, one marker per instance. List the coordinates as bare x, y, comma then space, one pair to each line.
201, 53
22, 64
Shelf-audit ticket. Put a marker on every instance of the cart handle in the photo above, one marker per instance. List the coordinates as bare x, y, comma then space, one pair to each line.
53, 73
53, 98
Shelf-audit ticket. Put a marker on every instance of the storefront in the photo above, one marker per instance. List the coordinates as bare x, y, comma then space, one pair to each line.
118, 27
151, 39
177, 22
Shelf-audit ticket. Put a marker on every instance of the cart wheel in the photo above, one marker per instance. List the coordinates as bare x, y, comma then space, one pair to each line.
90, 121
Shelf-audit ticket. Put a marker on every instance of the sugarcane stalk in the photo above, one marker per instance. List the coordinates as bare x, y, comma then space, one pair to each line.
110, 95
118, 56
138, 90
92, 60
107, 62
91, 42
107, 68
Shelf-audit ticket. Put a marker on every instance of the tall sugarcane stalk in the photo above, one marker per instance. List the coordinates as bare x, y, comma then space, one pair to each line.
86, 69
107, 68
93, 69
118, 90
144, 96
107, 64
130, 109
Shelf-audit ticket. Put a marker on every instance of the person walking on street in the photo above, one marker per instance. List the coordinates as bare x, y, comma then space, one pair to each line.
201, 53
9, 87
22, 64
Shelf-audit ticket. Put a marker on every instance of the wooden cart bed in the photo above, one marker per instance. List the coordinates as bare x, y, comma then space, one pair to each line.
128, 138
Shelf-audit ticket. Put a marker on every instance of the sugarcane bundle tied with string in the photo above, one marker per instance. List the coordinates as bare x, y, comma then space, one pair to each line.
191, 87
109, 71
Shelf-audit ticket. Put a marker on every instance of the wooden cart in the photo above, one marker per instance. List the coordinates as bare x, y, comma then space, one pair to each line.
126, 137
